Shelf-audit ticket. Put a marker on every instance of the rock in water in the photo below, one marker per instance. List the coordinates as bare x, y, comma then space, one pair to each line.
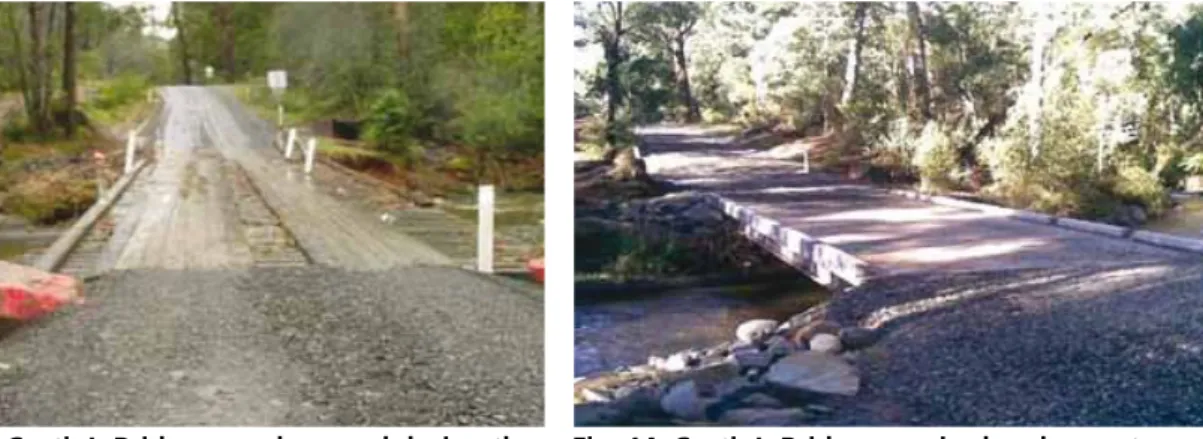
803, 333
825, 343
817, 372
757, 330
680, 361
751, 357
779, 346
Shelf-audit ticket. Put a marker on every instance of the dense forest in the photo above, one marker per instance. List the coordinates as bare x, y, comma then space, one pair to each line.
1076, 109
443, 96
418, 75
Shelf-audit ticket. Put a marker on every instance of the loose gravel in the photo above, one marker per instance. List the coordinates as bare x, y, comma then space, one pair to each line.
1086, 345
280, 346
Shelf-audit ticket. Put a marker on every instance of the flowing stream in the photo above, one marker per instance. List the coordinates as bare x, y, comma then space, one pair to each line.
629, 329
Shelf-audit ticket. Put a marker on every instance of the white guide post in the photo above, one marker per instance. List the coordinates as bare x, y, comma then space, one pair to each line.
309, 153
129, 151
292, 137
484, 234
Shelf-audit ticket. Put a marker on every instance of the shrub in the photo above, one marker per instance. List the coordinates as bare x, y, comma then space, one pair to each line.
119, 92
16, 130
1193, 164
1133, 184
391, 124
50, 197
935, 158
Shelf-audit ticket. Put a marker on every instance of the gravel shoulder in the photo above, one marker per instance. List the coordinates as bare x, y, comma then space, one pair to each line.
1102, 345
296, 346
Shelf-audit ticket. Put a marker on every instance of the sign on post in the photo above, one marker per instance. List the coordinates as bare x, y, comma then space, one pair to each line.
277, 80
208, 72
484, 236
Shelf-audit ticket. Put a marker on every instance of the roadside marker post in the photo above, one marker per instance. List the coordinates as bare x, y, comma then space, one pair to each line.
484, 234
309, 153
292, 137
129, 151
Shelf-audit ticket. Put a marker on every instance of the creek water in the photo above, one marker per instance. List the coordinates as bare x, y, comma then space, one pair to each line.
627, 330
19, 246
1185, 219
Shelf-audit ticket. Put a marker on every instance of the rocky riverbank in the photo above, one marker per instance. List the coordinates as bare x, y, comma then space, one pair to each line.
772, 373
673, 234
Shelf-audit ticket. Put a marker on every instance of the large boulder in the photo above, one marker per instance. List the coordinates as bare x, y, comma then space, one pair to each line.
684, 401
825, 343
754, 331
814, 372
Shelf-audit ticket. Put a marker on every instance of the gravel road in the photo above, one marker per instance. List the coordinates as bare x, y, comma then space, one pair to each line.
281, 346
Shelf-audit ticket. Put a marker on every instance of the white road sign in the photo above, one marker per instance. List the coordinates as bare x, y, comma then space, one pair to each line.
277, 79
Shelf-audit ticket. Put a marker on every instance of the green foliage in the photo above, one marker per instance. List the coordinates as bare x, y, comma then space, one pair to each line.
391, 124
16, 130
1134, 184
50, 197
1193, 164
119, 92
935, 158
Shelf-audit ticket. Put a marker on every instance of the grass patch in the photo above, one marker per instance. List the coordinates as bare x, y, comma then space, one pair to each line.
340, 150
115, 101
510, 208
50, 197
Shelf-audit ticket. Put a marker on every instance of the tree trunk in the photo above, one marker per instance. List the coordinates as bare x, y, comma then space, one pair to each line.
225, 25
1036, 87
612, 47
401, 20
69, 65
22, 64
919, 60
694, 114
35, 106
181, 38
852, 69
